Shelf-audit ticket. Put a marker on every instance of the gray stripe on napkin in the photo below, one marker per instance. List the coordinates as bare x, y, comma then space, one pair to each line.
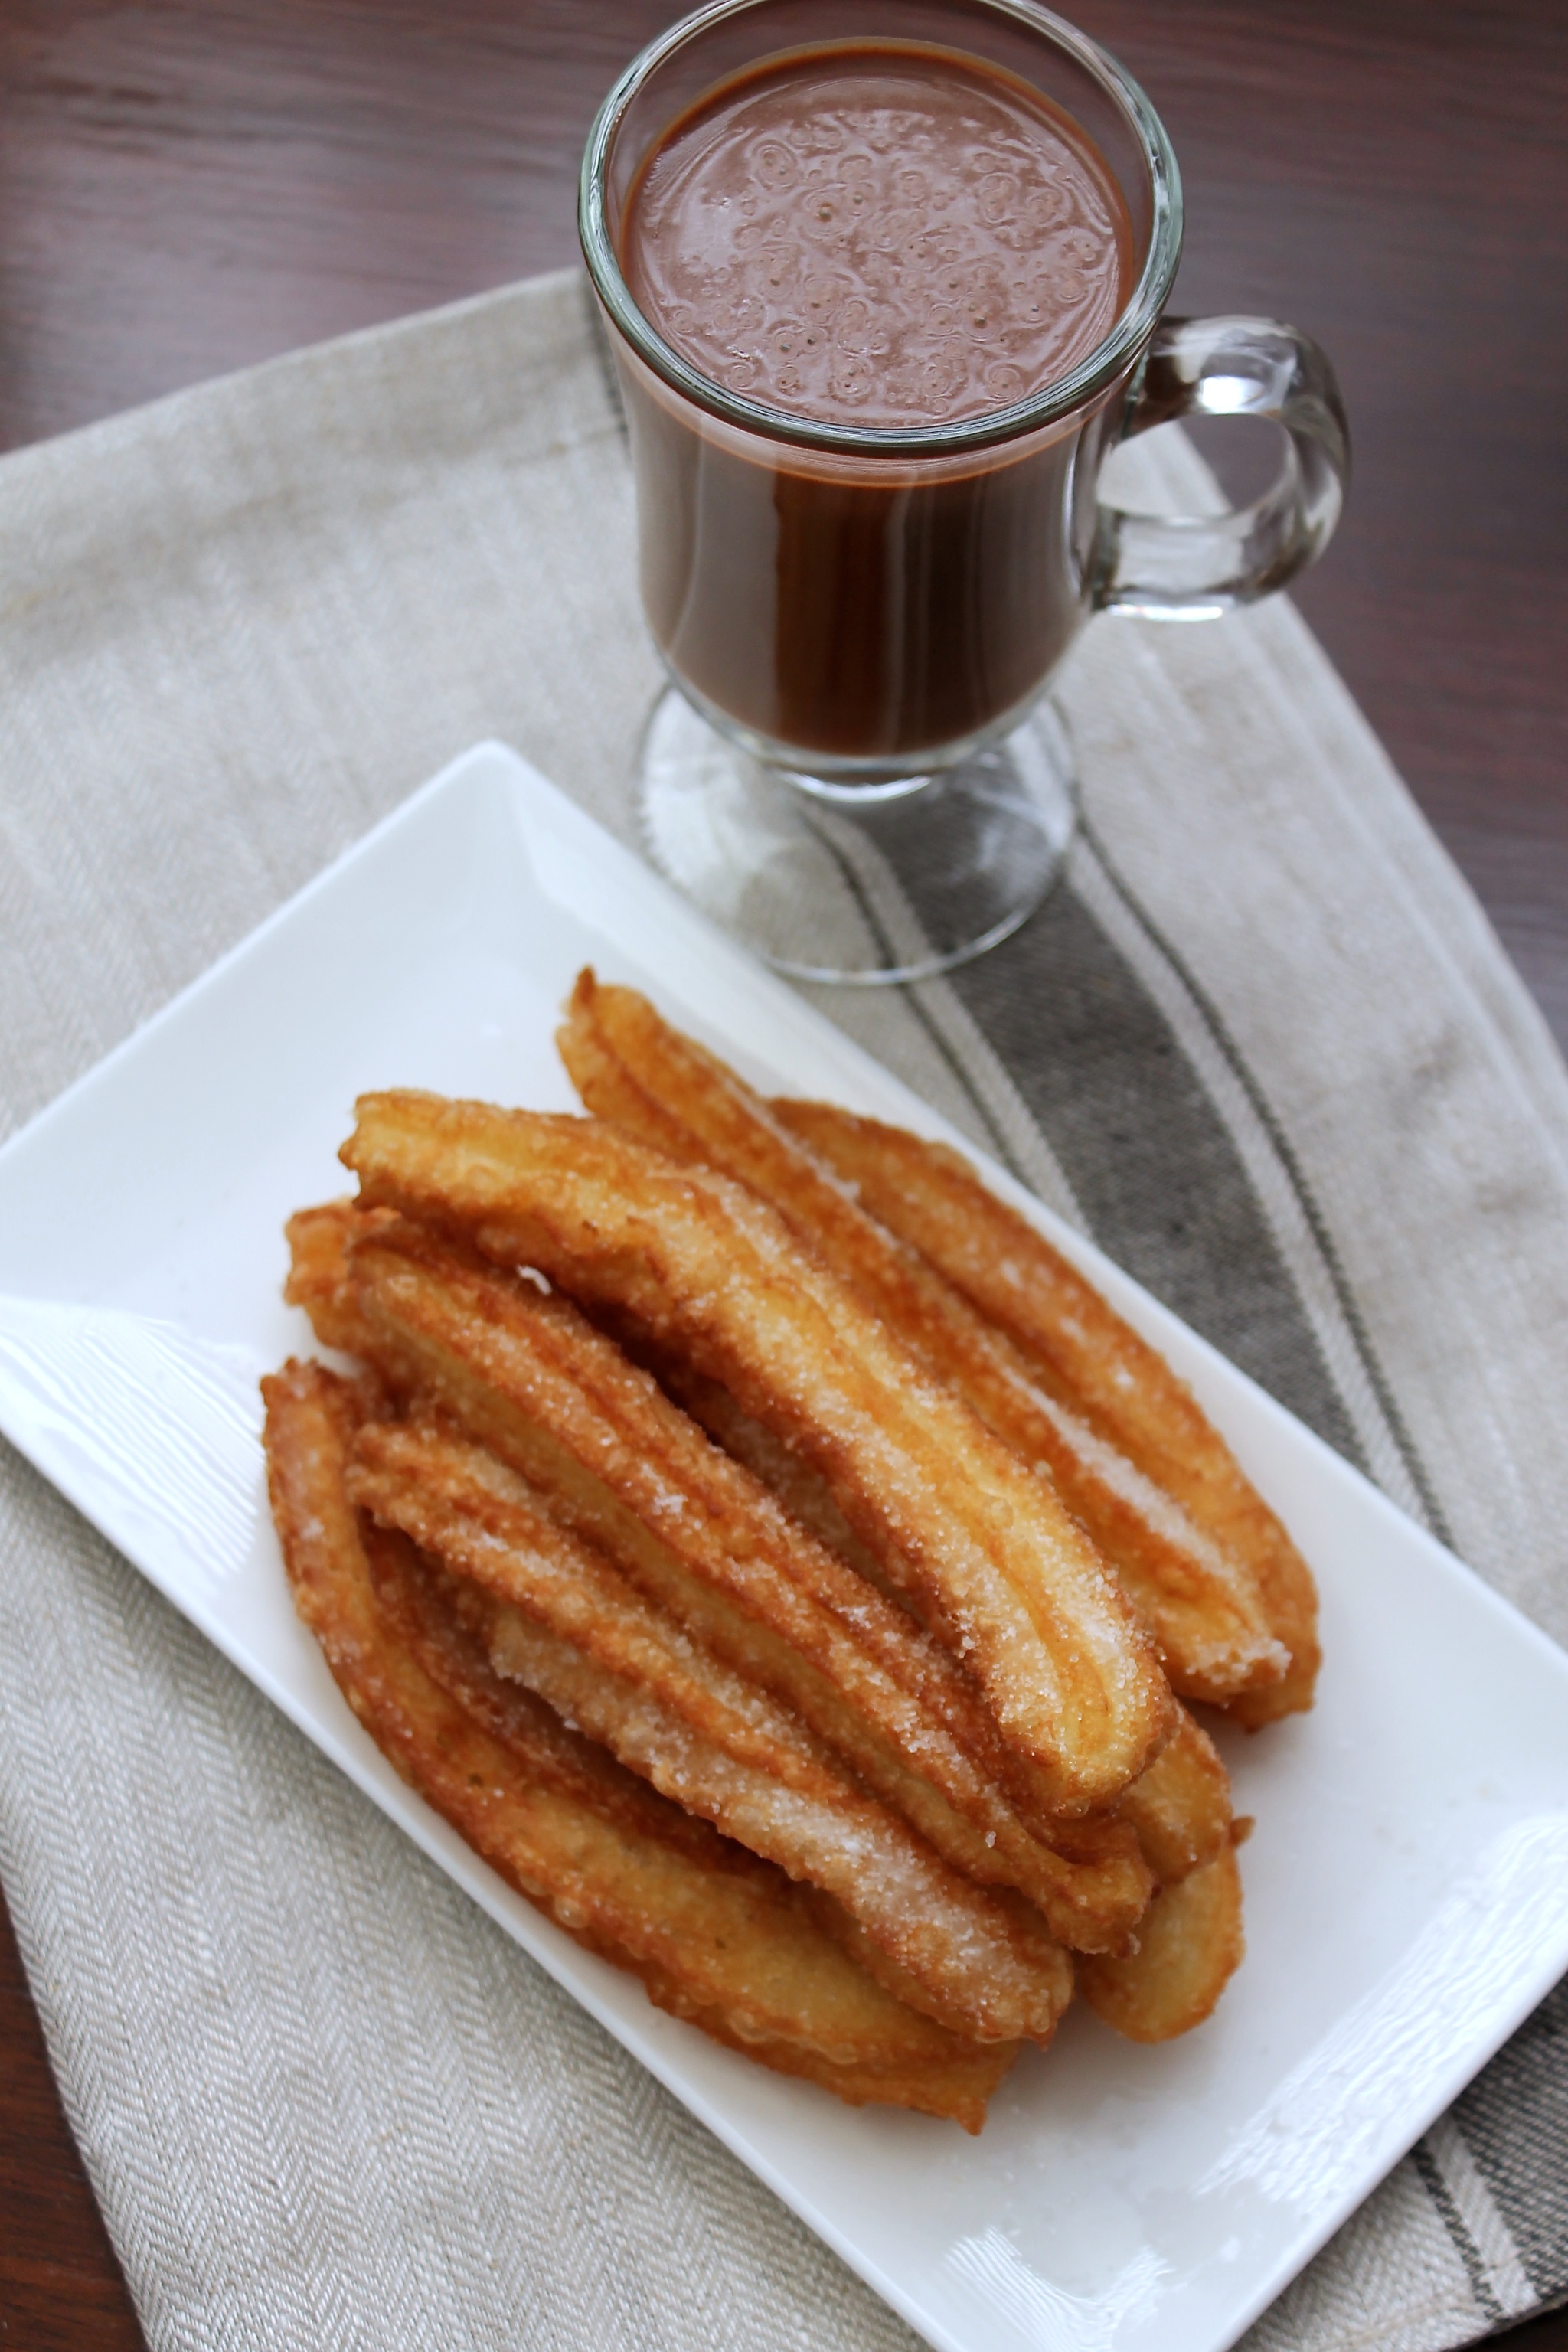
1454, 2222
1479, 2217
1373, 1390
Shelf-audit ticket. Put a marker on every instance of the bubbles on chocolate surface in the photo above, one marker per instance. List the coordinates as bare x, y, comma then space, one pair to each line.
879, 238
774, 163
1004, 384
996, 197
852, 379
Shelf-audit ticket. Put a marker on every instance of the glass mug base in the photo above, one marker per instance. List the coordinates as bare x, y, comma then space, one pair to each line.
831, 882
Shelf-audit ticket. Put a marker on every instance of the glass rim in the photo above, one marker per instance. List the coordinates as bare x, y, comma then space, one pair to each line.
1110, 357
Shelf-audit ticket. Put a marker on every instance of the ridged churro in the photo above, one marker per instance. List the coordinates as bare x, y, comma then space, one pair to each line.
1014, 1586
617, 1461
1083, 1353
557, 1616
716, 1936
1200, 1599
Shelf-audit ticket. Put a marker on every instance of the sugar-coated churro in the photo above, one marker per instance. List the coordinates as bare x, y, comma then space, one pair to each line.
620, 1463
1014, 1584
716, 1936
1200, 1599
1084, 1354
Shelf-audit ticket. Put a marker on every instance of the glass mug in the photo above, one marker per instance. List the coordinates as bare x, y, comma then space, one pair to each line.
856, 768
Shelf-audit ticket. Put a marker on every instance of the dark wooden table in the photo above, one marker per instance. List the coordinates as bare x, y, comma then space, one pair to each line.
188, 186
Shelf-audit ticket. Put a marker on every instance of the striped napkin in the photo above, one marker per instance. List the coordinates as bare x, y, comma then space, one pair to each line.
1262, 1044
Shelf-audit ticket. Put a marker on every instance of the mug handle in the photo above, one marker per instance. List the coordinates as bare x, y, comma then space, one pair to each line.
1194, 567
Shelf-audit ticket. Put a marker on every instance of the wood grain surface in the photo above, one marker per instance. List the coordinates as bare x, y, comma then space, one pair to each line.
190, 185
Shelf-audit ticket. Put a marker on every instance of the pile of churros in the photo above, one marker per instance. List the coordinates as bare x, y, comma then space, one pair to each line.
780, 1565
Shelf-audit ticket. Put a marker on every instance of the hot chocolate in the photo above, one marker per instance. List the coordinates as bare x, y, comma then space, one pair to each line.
882, 282
872, 235
879, 235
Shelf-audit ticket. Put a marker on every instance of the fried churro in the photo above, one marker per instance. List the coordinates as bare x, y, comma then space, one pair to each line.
716, 1936
624, 1467
1189, 1946
776, 1559
1200, 1599
1015, 1587
1084, 1354
557, 1616
1180, 1808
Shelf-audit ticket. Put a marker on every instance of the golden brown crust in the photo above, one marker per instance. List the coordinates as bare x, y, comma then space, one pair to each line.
1201, 1604
802, 1492
1173, 1817
1190, 1945
561, 1620
697, 1535
1071, 1679
716, 1938
318, 1246
420, 1605
1181, 1806
1079, 1348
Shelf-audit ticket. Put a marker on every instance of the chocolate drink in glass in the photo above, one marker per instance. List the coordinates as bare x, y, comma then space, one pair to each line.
882, 281
883, 238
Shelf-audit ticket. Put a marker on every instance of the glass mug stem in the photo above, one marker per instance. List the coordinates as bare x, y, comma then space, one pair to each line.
856, 769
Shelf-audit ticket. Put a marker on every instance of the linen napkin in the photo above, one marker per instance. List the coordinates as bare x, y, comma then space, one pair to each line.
1261, 1044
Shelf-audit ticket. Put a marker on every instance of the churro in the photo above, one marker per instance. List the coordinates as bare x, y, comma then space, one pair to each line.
1084, 1354
1014, 1587
1200, 1600
1189, 1946
699, 1536
782, 1565
716, 1936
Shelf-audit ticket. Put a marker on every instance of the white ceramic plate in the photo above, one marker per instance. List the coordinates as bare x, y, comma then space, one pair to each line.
1407, 1885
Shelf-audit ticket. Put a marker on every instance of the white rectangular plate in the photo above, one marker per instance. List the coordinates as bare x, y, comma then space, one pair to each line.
1407, 1885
